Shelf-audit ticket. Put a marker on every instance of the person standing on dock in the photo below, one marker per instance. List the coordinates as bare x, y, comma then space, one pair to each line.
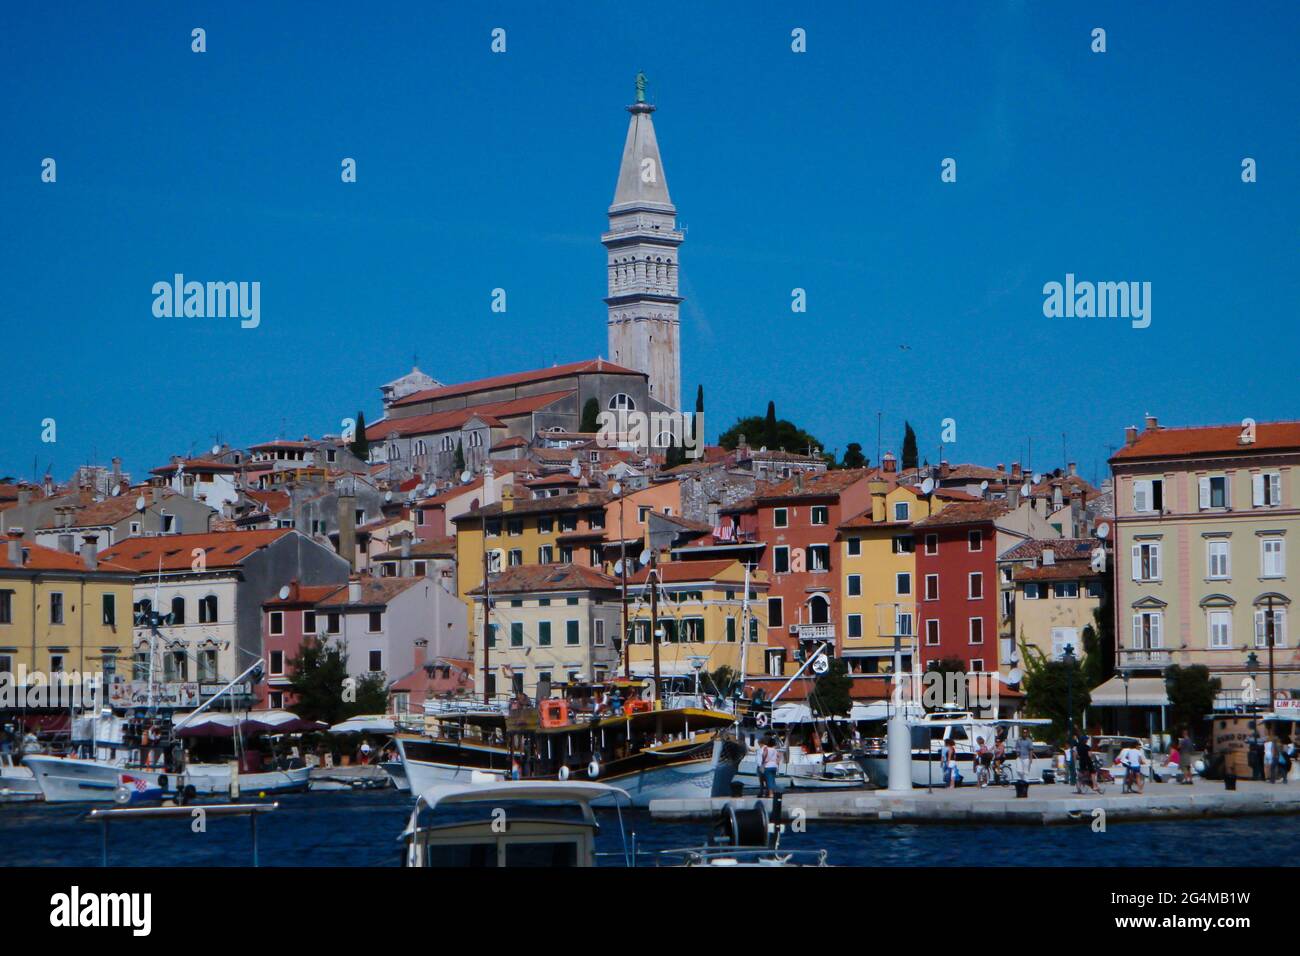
1255, 755
1024, 752
951, 776
1085, 774
1185, 748
769, 759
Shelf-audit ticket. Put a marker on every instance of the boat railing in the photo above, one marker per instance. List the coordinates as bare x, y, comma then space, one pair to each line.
734, 856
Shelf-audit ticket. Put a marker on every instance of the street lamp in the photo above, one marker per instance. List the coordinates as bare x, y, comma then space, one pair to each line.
1068, 658
1125, 678
1252, 667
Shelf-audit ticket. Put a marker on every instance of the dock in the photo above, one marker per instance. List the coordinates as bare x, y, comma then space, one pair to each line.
1046, 804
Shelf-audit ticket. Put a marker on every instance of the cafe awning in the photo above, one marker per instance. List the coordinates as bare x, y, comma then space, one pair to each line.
1142, 692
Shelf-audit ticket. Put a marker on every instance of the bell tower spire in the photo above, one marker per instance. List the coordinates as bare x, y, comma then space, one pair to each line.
642, 251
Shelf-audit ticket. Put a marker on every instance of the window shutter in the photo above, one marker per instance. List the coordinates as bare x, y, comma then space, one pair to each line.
1155, 631
1257, 490
1204, 492
1141, 495
1137, 563
1137, 630
1274, 489
1261, 633
1279, 626
1155, 562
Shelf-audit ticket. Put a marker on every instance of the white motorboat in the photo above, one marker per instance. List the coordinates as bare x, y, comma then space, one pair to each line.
209, 779
801, 770
86, 780
17, 782
931, 733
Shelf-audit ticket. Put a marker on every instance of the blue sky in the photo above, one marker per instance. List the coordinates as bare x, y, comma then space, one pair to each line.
817, 170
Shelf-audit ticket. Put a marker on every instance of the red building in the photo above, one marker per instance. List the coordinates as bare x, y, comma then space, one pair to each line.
286, 622
957, 584
796, 520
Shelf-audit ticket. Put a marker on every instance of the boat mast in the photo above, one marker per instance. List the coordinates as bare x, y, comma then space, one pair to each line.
744, 629
487, 613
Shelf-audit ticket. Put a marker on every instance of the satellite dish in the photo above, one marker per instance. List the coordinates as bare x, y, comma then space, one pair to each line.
616, 489
644, 556
575, 469
216, 449
388, 496
465, 476
927, 486
284, 593
1103, 531
1037, 477
1015, 675
140, 503
117, 490
984, 486
821, 665
1026, 489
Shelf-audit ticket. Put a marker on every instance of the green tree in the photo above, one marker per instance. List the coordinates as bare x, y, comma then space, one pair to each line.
910, 456
853, 457
317, 676
360, 444
459, 463
788, 435
721, 682
1191, 693
590, 417
770, 433
830, 695
1049, 684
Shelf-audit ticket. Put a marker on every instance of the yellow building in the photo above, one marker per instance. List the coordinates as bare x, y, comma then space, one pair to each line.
701, 607
878, 585
61, 611
567, 529
1056, 591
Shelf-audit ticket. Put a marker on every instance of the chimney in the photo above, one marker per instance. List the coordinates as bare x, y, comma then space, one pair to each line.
890, 463
354, 589
1049, 557
24, 496
14, 554
1130, 434
1152, 424
156, 494
798, 480
1057, 500
347, 515
1013, 495
943, 469
1073, 469
1001, 469
406, 545
90, 551
1015, 470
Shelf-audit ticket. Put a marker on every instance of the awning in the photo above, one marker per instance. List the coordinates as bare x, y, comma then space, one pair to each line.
1142, 692
373, 724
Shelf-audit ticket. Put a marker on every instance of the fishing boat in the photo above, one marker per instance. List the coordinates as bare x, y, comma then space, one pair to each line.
460, 739
103, 747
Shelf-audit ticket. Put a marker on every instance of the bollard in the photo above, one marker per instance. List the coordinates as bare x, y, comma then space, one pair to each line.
1022, 789
1229, 781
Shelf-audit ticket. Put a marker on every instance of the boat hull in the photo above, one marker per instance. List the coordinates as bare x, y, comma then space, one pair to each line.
76, 780
18, 784
214, 779
929, 773
708, 775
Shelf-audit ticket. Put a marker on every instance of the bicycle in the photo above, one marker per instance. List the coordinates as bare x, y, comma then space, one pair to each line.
1004, 775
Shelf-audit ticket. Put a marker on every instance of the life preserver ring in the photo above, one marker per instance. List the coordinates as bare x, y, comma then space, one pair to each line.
593, 769
761, 720
564, 773
122, 795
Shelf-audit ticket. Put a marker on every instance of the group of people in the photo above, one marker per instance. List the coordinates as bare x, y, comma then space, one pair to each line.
1270, 758
990, 762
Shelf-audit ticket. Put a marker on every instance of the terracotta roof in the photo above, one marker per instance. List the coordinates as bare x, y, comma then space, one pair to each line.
563, 478
827, 484
41, 558
223, 549
374, 591
965, 512
779, 454
523, 578
421, 548
518, 378
451, 493
1064, 548
490, 412
283, 443
304, 594
271, 501
677, 572
512, 442
1061, 571
92, 513
1210, 440
192, 465
575, 501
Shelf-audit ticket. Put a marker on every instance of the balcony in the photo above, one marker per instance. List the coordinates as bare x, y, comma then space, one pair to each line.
814, 632
1143, 659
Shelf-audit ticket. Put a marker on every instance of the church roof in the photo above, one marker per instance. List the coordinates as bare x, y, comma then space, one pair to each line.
641, 184
588, 367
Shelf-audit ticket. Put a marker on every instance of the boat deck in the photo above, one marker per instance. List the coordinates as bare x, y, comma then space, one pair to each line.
1047, 804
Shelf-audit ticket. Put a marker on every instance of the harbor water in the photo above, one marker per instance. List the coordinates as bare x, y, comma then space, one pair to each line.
361, 829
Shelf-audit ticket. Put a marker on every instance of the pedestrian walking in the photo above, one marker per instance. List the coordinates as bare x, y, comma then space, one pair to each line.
1085, 773
951, 775
771, 755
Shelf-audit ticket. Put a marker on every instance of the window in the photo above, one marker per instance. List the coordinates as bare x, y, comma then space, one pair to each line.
1216, 559
855, 625
571, 601
376, 661
731, 630
1146, 630
571, 633
1272, 557
544, 634
819, 557
546, 554
599, 638
493, 527
780, 518
774, 612
568, 522
56, 607
7, 607
903, 623
276, 623
977, 630
1066, 589
1266, 489
932, 587
975, 586
781, 559
931, 544
903, 582
1096, 589
855, 585
208, 609
108, 608
515, 527
277, 662
902, 511
516, 634
332, 623
854, 547
820, 514
1220, 629
1214, 492
974, 541
491, 638
1149, 495
1063, 637
566, 554
1278, 620
903, 544
1031, 591
375, 623
622, 401
1146, 561
932, 632
545, 525
56, 663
